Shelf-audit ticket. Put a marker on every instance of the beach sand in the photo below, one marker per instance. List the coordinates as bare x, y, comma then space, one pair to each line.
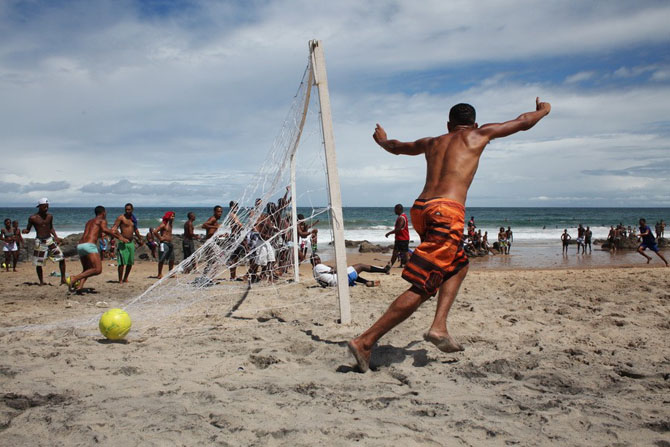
553, 357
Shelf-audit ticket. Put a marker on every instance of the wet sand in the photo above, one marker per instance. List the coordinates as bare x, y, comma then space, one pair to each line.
561, 356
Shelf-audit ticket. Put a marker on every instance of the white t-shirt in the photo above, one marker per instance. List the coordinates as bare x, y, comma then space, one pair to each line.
324, 274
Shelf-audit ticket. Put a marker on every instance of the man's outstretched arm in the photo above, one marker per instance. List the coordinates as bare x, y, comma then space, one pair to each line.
522, 122
398, 147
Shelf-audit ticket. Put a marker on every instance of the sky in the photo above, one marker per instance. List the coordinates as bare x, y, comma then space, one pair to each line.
178, 102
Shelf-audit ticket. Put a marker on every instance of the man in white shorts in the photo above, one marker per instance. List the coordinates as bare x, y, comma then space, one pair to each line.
46, 242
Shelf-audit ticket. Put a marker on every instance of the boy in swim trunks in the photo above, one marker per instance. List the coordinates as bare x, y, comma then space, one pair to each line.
88, 251
46, 242
438, 215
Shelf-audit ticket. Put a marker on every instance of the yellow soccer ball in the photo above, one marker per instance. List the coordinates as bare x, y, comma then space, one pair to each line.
115, 324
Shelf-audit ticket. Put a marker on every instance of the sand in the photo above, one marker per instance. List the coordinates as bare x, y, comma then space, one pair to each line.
552, 357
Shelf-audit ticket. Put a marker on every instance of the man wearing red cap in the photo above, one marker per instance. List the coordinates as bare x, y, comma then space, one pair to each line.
165, 248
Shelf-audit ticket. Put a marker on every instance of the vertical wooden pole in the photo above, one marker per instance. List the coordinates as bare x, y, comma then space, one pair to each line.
336, 219
294, 196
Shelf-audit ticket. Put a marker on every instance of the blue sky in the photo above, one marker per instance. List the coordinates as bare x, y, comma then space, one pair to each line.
177, 102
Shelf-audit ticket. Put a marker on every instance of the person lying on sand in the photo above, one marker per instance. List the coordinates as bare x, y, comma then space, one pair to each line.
438, 215
88, 250
326, 275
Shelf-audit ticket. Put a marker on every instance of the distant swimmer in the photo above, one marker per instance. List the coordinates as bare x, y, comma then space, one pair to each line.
438, 216
648, 241
88, 250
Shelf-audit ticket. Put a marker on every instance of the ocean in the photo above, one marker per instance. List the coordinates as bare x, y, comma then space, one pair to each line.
533, 225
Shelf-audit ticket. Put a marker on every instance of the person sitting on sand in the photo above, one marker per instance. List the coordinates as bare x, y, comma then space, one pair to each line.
565, 238
88, 250
438, 216
46, 242
648, 241
326, 275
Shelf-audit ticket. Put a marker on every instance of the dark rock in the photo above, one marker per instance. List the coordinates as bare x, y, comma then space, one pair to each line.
367, 247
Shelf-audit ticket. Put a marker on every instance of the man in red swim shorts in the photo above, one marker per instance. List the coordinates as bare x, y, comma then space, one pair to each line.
438, 215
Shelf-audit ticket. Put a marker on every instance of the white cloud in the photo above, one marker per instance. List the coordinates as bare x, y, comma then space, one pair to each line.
579, 77
135, 105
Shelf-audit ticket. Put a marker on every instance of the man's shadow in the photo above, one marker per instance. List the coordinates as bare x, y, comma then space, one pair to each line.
387, 355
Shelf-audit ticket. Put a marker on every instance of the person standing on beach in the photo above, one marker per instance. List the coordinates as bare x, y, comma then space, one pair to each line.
510, 238
587, 239
580, 239
46, 242
126, 224
401, 232
502, 241
648, 241
165, 248
565, 238
438, 215
188, 243
212, 224
87, 248
11, 246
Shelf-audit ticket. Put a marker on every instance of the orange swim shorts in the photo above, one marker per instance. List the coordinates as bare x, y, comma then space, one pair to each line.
440, 223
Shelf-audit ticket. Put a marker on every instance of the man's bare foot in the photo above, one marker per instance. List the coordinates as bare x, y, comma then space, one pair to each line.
648, 260
444, 343
373, 284
159, 276
362, 357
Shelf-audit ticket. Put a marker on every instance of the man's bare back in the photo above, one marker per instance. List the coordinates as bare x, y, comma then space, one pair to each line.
95, 228
451, 163
452, 159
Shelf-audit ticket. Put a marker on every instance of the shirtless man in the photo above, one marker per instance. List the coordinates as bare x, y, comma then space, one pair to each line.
502, 241
88, 250
305, 233
126, 224
438, 215
46, 242
11, 245
188, 243
565, 238
165, 248
580, 239
212, 224
648, 241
